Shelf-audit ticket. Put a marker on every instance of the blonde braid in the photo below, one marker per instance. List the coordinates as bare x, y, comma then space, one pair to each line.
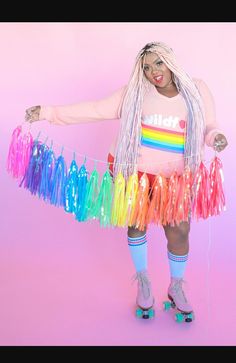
131, 112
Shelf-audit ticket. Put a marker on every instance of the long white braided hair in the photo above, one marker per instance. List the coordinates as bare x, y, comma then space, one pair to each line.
131, 111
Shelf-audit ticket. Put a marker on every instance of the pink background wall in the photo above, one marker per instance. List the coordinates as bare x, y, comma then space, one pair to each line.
68, 283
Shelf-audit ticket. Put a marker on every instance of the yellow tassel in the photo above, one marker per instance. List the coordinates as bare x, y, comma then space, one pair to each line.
130, 200
118, 200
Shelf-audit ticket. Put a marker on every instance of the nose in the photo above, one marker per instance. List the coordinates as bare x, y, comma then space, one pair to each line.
154, 69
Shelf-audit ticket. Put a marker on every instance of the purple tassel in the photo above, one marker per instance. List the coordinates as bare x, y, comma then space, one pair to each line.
32, 177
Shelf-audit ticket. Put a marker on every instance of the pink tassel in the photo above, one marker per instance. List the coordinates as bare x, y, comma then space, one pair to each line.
217, 197
200, 205
19, 153
12, 165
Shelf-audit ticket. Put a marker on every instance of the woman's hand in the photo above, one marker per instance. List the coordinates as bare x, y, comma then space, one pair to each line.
32, 114
220, 142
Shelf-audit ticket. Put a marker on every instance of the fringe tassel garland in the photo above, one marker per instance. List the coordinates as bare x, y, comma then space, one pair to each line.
115, 202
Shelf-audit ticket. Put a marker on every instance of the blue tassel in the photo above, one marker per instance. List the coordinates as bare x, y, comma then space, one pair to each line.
82, 182
49, 161
71, 188
57, 196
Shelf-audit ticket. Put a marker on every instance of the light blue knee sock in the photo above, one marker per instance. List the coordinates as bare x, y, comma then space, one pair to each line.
177, 264
138, 250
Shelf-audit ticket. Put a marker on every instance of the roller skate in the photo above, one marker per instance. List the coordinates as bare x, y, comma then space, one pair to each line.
178, 301
144, 300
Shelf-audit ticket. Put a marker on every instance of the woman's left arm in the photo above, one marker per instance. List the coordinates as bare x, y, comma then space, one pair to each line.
214, 137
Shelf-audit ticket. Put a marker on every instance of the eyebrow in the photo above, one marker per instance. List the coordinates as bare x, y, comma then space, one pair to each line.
158, 59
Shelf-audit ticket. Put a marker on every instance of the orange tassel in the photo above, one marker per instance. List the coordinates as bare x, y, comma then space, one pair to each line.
172, 199
158, 201
142, 203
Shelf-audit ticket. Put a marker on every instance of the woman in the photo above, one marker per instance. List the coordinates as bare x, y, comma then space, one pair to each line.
166, 118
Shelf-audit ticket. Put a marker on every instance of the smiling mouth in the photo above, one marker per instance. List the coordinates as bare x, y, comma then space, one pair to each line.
158, 79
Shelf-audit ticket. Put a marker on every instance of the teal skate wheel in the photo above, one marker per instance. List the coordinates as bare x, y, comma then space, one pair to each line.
179, 317
167, 305
139, 313
189, 318
151, 313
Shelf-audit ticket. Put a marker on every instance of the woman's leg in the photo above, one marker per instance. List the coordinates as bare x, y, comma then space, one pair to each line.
178, 248
137, 243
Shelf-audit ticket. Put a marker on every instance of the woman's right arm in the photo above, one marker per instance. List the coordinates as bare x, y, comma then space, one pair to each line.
90, 111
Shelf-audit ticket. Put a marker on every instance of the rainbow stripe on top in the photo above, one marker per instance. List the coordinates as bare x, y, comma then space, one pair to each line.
162, 139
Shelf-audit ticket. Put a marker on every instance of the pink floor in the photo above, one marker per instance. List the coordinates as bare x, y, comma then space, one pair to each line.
56, 291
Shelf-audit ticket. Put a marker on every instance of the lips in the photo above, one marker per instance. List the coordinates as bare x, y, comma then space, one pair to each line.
158, 79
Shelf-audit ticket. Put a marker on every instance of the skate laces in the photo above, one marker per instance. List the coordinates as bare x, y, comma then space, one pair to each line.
178, 289
144, 283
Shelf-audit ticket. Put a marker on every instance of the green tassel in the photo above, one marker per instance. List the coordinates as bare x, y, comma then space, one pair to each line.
104, 200
92, 191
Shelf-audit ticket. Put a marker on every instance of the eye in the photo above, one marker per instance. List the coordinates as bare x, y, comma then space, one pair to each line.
159, 63
146, 68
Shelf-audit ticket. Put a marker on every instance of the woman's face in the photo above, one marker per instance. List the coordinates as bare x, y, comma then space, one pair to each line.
156, 71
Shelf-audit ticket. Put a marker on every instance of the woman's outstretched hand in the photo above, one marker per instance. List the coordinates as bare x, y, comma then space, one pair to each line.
220, 142
32, 114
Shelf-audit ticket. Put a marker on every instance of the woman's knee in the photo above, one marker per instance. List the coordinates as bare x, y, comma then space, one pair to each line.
135, 232
184, 229
179, 232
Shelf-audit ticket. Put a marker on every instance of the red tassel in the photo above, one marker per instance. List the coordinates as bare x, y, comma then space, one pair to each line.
200, 205
217, 197
183, 202
142, 203
158, 201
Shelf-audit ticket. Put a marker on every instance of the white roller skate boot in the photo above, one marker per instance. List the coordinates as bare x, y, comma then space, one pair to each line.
144, 300
178, 301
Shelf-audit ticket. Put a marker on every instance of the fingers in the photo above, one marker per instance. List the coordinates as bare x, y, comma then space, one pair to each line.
32, 114
220, 145
220, 142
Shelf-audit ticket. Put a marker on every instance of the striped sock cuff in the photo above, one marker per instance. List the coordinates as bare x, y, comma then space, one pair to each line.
177, 258
137, 241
